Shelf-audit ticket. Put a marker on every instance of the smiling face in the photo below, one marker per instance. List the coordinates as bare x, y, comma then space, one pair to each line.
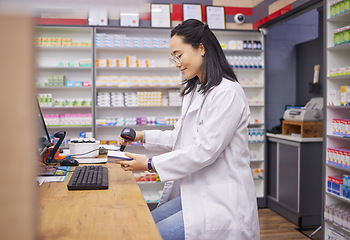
191, 59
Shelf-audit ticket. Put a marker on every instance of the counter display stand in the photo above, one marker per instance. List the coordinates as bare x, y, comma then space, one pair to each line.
291, 190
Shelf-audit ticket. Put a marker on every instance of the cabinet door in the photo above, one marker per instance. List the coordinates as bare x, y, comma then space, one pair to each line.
288, 175
272, 169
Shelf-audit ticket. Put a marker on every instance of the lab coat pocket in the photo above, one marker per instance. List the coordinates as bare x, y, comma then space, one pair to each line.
220, 203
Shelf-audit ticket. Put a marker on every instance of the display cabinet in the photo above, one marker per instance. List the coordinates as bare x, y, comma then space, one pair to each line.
336, 199
65, 79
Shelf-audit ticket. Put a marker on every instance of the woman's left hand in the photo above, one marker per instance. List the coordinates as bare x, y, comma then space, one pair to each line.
139, 162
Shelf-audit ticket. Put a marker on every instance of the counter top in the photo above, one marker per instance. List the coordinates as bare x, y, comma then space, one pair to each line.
294, 138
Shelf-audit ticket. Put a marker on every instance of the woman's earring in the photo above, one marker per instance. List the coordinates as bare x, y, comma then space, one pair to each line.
203, 55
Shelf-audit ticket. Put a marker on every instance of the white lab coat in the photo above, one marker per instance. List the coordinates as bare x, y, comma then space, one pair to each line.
209, 165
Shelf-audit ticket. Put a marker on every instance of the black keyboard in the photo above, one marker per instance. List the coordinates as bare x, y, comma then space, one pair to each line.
89, 178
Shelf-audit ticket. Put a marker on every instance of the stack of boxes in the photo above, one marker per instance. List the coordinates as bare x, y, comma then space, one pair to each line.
339, 156
338, 7
341, 127
149, 98
57, 41
118, 40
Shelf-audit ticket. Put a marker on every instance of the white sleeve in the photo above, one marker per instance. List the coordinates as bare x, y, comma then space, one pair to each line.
161, 140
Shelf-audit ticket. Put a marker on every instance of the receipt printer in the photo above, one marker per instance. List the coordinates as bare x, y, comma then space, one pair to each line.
313, 111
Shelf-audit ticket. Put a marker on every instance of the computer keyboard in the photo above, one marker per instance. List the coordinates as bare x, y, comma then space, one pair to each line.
89, 178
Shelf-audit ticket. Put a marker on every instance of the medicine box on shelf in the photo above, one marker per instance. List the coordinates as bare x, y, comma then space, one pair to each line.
305, 129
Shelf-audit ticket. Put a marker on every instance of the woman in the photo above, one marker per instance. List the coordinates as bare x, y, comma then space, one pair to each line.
209, 191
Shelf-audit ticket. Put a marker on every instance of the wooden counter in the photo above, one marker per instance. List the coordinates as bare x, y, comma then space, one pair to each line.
117, 213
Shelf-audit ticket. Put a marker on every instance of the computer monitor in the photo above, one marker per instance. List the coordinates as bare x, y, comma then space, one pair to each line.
44, 141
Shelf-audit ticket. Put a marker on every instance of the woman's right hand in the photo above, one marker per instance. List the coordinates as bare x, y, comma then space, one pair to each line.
138, 137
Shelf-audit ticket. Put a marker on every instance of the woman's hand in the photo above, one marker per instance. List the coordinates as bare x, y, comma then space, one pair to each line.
139, 162
138, 137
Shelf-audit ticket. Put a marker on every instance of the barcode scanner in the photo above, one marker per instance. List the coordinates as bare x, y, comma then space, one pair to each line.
129, 135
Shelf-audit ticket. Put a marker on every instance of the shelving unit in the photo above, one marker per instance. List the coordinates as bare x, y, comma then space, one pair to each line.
49, 59
246, 76
336, 57
148, 78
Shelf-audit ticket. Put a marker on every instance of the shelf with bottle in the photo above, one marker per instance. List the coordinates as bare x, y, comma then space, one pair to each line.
64, 88
138, 81
336, 231
70, 127
46, 101
341, 47
149, 121
170, 98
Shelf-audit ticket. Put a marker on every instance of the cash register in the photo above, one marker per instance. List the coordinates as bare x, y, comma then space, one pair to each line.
311, 112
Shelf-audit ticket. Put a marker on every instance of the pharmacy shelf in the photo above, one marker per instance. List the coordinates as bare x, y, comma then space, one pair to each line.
338, 107
338, 167
342, 77
138, 87
64, 108
262, 87
341, 47
249, 69
133, 49
256, 105
335, 57
138, 107
63, 88
139, 68
343, 199
135, 126
63, 68
338, 137
257, 161
142, 183
255, 125
69, 127
337, 226
344, 17
62, 48
257, 110
247, 51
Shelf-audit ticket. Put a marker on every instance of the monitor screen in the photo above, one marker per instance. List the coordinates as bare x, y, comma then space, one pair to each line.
44, 140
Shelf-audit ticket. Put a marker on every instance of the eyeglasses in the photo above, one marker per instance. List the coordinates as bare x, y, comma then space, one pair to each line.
177, 59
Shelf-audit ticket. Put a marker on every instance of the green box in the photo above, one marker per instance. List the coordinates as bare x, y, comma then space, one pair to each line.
336, 37
50, 80
331, 9
346, 35
346, 5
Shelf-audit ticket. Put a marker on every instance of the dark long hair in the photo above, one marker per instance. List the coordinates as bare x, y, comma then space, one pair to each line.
215, 65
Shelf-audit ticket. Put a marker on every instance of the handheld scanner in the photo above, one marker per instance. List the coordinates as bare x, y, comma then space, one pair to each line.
129, 135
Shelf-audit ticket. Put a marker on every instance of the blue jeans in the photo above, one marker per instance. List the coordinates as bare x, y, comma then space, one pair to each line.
169, 220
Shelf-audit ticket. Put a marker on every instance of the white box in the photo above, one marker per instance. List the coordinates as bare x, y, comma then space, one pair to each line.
81, 148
